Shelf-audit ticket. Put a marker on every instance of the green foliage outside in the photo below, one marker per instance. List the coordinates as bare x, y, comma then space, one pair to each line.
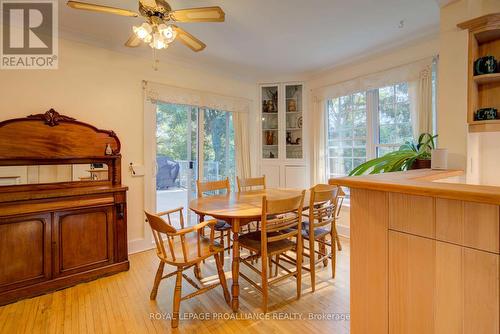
173, 138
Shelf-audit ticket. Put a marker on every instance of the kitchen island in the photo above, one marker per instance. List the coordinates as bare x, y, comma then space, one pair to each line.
424, 253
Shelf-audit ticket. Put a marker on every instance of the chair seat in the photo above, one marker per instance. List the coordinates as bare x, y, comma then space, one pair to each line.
253, 242
318, 232
192, 250
222, 225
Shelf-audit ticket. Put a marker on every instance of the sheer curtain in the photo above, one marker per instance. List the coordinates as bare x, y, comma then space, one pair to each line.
319, 124
420, 91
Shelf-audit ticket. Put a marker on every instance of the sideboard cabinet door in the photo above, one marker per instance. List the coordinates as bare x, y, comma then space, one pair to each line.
83, 239
25, 252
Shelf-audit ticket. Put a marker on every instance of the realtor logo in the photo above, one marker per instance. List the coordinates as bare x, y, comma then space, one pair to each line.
29, 34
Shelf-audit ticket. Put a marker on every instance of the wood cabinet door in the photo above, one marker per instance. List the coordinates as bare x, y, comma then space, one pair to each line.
83, 239
25, 251
411, 284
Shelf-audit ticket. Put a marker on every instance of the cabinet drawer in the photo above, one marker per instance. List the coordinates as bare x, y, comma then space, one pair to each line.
412, 214
468, 224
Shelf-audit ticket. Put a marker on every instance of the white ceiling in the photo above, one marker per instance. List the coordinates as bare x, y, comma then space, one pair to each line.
271, 37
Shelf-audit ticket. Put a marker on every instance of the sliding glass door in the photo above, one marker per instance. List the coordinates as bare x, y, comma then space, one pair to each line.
191, 143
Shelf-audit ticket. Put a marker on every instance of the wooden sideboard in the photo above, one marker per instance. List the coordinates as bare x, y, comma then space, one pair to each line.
424, 255
60, 234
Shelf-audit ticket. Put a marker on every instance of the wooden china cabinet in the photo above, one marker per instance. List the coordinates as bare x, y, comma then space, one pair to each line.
58, 226
283, 123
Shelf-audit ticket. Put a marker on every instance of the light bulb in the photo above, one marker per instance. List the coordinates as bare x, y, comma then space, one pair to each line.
169, 33
143, 31
158, 42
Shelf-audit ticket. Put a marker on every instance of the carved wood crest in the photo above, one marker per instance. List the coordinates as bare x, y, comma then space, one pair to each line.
51, 117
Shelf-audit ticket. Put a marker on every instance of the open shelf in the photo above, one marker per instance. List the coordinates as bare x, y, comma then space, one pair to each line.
487, 78
483, 90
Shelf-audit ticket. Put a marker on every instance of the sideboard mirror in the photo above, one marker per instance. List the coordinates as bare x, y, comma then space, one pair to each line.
46, 174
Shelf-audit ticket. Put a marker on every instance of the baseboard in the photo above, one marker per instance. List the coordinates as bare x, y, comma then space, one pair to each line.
139, 245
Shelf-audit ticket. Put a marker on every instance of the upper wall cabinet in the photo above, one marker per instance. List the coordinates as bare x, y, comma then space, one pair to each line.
483, 89
282, 122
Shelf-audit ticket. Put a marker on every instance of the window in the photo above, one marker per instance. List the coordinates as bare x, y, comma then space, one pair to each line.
347, 133
366, 125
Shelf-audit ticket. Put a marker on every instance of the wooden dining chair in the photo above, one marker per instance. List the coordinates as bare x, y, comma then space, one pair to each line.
186, 248
277, 236
222, 227
318, 225
245, 184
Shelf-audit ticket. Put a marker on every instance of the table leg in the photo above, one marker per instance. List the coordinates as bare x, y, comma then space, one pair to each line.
236, 265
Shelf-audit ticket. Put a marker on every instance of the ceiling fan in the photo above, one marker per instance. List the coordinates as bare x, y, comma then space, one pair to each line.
159, 31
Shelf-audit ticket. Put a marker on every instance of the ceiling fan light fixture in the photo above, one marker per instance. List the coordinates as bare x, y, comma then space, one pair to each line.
143, 31
168, 32
158, 42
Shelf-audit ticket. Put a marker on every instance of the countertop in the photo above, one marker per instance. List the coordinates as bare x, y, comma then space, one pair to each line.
424, 182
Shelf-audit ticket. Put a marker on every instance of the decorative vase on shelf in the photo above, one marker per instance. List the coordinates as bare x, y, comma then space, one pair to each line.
109, 150
291, 105
269, 138
288, 137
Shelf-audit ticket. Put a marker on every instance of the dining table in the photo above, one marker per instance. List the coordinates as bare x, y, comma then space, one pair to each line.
239, 209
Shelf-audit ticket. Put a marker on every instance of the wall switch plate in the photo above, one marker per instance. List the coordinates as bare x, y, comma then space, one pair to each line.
136, 170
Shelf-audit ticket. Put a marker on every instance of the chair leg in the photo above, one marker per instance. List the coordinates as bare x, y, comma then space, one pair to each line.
228, 241
270, 266
177, 298
334, 254
277, 259
337, 239
159, 274
312, 264
197, 271
264, 283
222, 278
299, 266
323, 251
221, 255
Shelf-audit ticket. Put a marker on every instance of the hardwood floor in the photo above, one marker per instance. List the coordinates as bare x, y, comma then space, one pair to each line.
120, 304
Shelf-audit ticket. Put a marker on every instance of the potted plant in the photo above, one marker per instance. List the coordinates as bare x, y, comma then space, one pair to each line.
411, 155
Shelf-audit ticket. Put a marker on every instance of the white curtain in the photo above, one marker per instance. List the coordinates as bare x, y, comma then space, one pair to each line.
242, 144
319, 125
420, 91
171, 94
408, 73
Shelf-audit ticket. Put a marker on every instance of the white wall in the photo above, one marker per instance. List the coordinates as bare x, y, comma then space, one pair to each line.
104, 88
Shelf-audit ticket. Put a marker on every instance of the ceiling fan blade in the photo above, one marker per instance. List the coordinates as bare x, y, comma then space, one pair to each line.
189, 40
101, 9
204, 14
133, 41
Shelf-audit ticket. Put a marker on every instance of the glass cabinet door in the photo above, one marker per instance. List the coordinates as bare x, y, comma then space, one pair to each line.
293, 111
270, 122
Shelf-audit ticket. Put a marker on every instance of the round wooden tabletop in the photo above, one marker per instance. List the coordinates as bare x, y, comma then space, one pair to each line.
238, 205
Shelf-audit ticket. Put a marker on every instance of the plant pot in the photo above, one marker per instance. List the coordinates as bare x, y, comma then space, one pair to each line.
421, 164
